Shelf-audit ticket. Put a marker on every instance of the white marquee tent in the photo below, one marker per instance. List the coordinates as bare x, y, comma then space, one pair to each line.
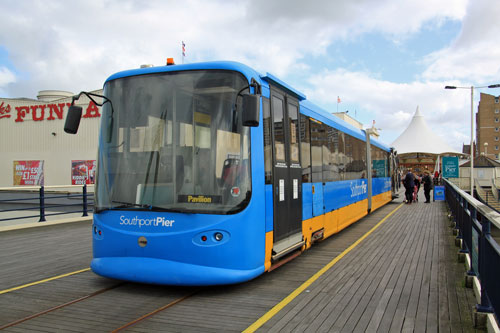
418, 138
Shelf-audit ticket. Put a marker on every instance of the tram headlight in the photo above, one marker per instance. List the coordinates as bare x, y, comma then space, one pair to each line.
218, 236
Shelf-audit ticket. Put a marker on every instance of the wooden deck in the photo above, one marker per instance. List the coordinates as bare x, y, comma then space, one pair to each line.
404, 276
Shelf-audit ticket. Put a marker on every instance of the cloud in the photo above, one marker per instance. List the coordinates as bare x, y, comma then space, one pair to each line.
6, 78
76, 45
393, 105
473, 57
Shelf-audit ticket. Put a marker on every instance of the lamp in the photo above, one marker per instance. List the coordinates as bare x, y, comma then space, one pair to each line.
472, 128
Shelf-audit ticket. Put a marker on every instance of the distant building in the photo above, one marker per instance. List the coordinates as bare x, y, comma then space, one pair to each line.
35, 149
485, 169
350, 120
488, 126
466, 149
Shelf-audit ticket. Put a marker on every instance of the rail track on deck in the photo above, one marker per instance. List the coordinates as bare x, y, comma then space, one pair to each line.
94, 294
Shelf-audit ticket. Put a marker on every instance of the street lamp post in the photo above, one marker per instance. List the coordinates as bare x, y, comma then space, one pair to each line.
472, 128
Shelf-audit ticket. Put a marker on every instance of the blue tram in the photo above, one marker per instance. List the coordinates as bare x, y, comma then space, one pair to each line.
211, 173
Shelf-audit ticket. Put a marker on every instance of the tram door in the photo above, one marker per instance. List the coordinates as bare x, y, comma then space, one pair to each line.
287, 171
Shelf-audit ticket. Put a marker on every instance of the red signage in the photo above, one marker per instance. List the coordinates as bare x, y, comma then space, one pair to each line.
44, 111
83, 172
28, 173
4, 111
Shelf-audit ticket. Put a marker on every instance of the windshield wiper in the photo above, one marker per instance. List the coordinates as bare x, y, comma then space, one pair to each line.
171, 210
130, 205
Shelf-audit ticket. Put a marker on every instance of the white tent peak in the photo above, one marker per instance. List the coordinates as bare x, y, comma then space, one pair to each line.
418, 138
417, 113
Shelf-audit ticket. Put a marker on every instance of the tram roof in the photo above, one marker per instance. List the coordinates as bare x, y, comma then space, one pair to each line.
224, 65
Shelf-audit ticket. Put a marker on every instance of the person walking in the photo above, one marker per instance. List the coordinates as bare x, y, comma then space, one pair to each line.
417, 187
409, 186
427, 186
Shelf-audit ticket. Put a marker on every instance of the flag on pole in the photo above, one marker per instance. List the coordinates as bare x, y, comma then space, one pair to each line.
183, 51
338, 99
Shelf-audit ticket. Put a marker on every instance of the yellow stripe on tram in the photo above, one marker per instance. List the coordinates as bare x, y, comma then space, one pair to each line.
43, 281
278, 307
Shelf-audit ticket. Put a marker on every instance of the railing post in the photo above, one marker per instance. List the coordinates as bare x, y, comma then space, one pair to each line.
42, 205
85, 205
485, 305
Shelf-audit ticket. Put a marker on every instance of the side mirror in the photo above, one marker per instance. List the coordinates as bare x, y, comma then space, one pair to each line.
73, 119
251, 110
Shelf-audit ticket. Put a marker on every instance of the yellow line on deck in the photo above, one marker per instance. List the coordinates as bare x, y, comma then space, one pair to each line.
278, 307
43, 281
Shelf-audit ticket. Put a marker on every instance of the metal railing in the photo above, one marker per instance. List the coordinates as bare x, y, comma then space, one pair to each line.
480, 190
474, 221
494, 188
41, 199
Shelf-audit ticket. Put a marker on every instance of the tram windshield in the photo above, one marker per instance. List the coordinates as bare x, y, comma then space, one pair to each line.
174, 142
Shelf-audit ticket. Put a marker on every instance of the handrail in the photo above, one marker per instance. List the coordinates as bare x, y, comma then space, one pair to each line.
43, 196
480, 191
37, 187
494, 189
474, 221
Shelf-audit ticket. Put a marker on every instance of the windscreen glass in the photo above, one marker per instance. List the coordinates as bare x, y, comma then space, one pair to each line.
175, 142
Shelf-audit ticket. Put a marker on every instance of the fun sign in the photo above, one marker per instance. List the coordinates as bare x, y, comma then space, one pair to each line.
42, 112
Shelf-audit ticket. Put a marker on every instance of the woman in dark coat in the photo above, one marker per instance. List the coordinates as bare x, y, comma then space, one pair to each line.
427, 187
409, 186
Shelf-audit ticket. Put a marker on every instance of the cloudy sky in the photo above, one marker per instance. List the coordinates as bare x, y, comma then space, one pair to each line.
382, 58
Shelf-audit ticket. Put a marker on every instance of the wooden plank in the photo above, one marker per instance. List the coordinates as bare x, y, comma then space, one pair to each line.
378, 283
400, 279
433, 309
372, 319
444, 314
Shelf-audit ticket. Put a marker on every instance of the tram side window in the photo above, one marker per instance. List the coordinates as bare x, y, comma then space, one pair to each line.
331, 170
379, 163
305, 147
340, 155
355, 151
279, 135
318, 138
268, 150
293, 112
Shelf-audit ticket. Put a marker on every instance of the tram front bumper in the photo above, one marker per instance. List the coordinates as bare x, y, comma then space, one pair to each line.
160, 271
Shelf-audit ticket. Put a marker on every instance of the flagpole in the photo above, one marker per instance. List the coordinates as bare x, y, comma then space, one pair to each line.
183, 49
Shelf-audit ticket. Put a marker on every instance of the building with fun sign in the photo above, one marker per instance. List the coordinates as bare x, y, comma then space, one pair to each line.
36, 150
